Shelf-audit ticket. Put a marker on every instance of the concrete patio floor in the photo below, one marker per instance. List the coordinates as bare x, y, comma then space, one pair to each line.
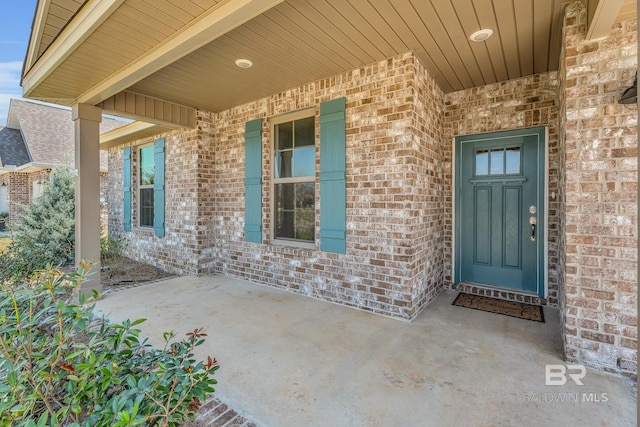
289, 360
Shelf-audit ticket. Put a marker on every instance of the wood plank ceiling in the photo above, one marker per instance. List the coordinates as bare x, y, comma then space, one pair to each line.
628, 10
300, 41
58, 13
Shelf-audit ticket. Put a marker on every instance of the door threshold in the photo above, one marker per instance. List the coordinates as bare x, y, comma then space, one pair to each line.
499, 293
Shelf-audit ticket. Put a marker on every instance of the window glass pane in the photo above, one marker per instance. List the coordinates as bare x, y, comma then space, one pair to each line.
482, 162
305, 211
147, 166
304, 161
295, 211
285, 196
283, 164
146, 207
285, 211
513, 160
295, 157
305, 132
284, 136
497, 162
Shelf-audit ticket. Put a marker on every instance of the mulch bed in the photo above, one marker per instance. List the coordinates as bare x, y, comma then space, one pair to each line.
123, 273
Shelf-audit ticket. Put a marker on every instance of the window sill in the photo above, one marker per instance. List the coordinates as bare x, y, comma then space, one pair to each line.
293, 244
143, 230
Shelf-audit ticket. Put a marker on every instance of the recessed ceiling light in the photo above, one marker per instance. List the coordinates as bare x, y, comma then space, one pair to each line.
481, 35
244, 63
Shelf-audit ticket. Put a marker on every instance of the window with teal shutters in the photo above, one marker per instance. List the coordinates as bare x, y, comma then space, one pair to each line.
294, 179
158, 188
333, 195
253, 181
126, 220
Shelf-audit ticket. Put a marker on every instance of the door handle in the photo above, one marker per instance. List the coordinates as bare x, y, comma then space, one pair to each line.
533, 232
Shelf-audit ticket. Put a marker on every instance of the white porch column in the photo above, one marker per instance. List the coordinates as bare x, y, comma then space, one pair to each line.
87, 120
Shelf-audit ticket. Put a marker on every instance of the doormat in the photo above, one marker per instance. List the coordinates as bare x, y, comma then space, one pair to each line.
493, 305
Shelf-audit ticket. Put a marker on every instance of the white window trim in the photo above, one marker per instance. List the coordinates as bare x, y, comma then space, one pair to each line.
141, 187
284, 118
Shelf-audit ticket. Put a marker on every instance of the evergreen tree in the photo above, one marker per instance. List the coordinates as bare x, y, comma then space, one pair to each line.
46, 232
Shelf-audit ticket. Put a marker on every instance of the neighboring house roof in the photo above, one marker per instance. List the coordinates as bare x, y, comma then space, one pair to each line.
43, 135
13, 152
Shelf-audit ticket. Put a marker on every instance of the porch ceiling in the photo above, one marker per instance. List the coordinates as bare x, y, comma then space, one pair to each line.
52, 17
290, 43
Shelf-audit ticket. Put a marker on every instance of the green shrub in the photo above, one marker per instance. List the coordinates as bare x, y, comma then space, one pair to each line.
45, 233
62, 365
112, 247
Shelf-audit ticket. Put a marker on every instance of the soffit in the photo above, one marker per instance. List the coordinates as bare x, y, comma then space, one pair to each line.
131, 30
628, 10
300, 41
57, 14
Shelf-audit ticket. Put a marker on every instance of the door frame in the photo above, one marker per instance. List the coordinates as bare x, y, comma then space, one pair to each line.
543, 179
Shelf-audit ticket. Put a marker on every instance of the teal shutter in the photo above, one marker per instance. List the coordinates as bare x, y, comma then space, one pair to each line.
253, 181
126, 220
333, 193
158, 188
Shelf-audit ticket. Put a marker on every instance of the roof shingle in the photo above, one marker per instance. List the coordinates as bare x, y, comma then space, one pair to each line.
49, 133
13, 152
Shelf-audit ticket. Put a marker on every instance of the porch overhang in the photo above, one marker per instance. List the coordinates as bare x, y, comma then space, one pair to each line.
132, 132
63, 75
184, 52
146, 108
601, 17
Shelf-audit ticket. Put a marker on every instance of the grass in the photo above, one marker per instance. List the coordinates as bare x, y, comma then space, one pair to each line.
4, 243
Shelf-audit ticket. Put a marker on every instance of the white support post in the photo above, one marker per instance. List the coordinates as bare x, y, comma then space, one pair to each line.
87, 120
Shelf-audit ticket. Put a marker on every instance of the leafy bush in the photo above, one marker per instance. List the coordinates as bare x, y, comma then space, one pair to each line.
112, 248
111, 254
62, 365
45, 233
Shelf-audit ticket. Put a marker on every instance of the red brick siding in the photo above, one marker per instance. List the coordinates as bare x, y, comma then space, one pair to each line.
393, 264
385, 270
18, 191
600, 166
179, 251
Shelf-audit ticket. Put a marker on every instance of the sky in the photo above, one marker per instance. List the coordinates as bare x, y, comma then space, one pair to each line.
15, 25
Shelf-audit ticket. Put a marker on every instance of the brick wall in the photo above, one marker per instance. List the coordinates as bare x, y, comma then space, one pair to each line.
393, 264
427, 236
601, 196
104, 203
18, 190
386, 269
562, 155
179, 251
400, 129
520, 103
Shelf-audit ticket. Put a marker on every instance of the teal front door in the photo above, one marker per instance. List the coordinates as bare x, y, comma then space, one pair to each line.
500, 212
